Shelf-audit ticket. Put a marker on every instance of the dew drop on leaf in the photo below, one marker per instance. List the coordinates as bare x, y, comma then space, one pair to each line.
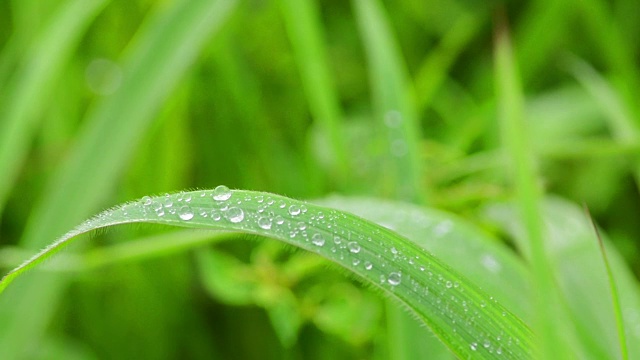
185, 213
235, 215
394, 278
221, 193
264, 223
368, 265
146, 200
317, 239
474, 346
354, 247
279, 220
294, 210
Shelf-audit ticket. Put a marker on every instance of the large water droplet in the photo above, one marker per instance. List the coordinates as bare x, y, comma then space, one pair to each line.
317, 239
235, 215
394, 278
264, 223
185, 213
354, 247
294, 210
221, 193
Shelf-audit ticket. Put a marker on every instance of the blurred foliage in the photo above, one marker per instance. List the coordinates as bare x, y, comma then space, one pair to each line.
233, 106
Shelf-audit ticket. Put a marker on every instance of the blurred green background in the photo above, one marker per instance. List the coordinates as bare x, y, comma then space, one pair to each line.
103, 102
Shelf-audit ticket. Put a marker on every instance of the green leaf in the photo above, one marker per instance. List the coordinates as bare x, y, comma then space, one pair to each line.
465, 318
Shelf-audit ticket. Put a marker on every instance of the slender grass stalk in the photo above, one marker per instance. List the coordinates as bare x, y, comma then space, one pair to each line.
549, 331
614, 290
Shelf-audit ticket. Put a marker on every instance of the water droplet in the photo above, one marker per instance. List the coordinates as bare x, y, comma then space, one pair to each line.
185, 213
146, 201
394, 250
302, 225
282, 204
393, 118
448, 284
260, 198
221, 193
187, 198
394, 278
203, 213
160, 212
156, 206
279, 220
235, 215
499, 351
337, 240
317, 239
168, 202
354, 247
215, 215
368, 265
486, 344
356, 262
303, 209
294, 210
265, 223
474, 346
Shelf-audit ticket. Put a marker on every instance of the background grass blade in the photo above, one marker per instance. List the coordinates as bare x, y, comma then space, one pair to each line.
33, 83
436, 293
162, 53
549, 327
394, 109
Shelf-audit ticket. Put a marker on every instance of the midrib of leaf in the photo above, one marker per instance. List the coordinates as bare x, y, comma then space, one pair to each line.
166, 45
468, 321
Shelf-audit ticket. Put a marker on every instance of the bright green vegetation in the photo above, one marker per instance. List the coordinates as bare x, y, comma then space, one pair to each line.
462, 147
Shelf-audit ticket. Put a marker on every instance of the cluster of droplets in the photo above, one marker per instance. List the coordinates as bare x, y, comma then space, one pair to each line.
319, 230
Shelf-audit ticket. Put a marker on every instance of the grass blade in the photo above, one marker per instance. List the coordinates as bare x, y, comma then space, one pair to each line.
166, 46
468, 321
394, 108
514, 134
33, 85
614, 291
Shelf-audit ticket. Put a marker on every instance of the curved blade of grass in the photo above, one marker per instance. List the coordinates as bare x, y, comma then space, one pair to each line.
468, 321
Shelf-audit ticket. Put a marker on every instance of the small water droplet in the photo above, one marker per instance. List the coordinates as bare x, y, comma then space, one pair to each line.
354, 247
337, 240
486, 344
317, 239
235, 215
264, 222
394, 250
448, 284
215, 215
168, 202
356, 262
160, 212
279, 220
474, 346
368, 265
259, 198
394, 278
303, 209
302, 225
294, 210
185, 213
393, 118
282, 204
221, 193
499, 351
146, 200
203, 213
187, 198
